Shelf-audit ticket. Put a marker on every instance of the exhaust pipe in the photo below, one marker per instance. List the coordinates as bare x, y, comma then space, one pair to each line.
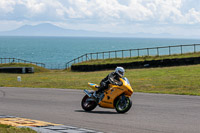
87, 93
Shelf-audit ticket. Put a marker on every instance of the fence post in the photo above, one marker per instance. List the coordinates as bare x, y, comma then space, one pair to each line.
122, 53
194, 48
157, 51
130, 53
91, 56
67, 65
181, 49
147, 51
169, 50
103, 55
138, 52
109, 54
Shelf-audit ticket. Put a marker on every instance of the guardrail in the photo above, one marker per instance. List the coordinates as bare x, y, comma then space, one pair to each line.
14, 60
168, 50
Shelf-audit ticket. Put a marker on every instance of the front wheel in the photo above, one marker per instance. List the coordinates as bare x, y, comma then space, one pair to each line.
87, 104
122, 106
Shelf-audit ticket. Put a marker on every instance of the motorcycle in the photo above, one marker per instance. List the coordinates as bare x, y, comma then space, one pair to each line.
115, 97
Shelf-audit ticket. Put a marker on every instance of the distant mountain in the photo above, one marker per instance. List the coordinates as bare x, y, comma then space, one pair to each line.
47, 29
44, 29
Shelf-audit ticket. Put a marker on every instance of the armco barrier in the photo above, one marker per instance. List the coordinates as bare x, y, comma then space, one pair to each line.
139, 64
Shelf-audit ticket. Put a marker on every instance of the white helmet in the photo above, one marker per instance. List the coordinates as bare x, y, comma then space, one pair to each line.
120, 71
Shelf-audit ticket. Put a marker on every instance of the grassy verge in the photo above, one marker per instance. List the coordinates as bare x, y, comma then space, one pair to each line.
171, 80
10, 129
36, 68
136, 59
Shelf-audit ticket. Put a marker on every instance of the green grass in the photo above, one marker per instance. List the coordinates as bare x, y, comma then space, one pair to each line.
170, 80
136, 59
10, 129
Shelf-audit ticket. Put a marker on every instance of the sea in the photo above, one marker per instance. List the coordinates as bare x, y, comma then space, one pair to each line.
55, 52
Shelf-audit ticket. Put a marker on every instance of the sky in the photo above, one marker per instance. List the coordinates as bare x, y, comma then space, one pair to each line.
175, 17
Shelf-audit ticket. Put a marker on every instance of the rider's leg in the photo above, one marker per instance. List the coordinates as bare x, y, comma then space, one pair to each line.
103, 86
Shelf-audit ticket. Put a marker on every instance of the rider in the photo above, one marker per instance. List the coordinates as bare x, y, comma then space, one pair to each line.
112, 78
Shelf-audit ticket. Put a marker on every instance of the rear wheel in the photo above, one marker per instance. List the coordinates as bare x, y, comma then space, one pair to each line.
88, 105
123, 106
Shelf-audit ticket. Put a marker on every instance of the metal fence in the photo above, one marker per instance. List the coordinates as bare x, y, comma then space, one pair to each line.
14, 60
154, 51
52, 66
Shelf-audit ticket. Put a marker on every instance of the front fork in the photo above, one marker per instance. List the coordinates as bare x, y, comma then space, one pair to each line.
87, 93
91, 97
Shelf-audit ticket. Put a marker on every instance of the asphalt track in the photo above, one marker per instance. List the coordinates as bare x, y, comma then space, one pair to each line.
150, 113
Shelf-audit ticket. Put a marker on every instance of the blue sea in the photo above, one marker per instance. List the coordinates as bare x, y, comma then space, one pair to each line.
58, 50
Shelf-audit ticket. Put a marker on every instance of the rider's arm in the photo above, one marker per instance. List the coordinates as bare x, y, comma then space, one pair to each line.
112, 79
120, 83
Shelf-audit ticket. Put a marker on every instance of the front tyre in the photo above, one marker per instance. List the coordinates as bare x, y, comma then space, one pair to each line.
123, 106
88, 105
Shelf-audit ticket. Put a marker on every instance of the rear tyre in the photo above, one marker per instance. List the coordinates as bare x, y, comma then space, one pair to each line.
88, 105
123, 106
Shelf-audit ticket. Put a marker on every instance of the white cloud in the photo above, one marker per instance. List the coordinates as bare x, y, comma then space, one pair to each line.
111, 15
193, 16
6, 6
34, 6
137, 12
159, 11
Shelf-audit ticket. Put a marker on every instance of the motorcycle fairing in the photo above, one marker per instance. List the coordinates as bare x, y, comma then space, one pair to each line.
110, 96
